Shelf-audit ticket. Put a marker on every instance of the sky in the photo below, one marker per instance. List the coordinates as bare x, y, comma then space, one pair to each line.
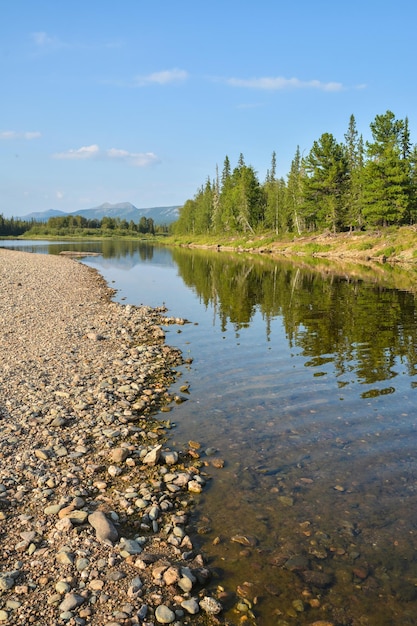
135, 101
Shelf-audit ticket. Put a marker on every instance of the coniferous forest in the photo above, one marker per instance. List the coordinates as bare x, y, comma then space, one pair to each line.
351, 185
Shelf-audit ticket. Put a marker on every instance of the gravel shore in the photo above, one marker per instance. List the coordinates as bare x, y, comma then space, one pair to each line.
94, 505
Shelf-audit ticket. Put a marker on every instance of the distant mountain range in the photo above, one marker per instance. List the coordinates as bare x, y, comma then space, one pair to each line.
124, 210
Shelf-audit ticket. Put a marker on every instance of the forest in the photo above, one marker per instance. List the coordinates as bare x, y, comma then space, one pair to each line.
77, 225
346, 186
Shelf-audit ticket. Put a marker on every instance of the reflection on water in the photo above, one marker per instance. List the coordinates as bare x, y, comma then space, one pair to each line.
304, 382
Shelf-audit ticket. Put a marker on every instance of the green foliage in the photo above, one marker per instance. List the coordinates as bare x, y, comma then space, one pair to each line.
13, 227
388, 251
324, 187
337, 187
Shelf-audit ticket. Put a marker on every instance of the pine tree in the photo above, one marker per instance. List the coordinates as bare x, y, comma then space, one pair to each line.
294, 195
355, 160
386, 174
324, 186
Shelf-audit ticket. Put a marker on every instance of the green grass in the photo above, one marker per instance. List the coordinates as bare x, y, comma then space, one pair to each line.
312, 247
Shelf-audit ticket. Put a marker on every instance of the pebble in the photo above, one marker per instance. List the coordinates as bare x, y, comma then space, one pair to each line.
90, 462
211, 605
164, 615
191, 606
70, 602
106, 532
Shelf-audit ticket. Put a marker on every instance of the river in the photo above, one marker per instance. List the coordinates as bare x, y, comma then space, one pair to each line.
303, 380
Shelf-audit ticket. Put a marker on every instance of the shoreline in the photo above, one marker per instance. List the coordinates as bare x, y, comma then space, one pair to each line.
94, 505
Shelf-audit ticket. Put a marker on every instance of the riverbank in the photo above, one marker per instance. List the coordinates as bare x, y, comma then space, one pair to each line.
393, 245
95, 523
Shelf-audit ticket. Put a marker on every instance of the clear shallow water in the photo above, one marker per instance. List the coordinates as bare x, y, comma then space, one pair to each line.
305, 383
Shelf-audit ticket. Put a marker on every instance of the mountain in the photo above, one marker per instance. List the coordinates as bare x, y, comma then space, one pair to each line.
123, 210
43, 216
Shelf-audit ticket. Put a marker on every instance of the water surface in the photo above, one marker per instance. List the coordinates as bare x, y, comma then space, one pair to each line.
304, 381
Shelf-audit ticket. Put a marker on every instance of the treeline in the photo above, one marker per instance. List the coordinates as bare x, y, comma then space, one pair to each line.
79, 225
13, 227
338, 186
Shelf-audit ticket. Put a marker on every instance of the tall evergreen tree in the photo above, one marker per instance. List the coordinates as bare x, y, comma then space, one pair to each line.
355, 160
294, 196
272, 198
386, 176
324, 186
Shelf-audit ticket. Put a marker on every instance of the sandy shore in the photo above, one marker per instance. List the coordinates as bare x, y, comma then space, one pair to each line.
94, 505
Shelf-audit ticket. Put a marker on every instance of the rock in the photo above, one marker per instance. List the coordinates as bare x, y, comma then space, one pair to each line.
119, 455
171, 576
195, 487
105, 529
164, 615
211, 605
70, 602
62, 587
77, 517
245, 540
169, 457
191, 606
152, 457
130, 546
65, 557
6, 582
317, 579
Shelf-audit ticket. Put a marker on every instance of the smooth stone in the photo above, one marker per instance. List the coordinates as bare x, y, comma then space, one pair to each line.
65, 558
82, 564
131, 546
77, 517
53, 509
164, 615
185, 584
105, 530
191, 606
70, 602
62, 587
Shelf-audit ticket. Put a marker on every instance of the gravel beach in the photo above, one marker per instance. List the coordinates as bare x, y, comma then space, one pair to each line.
94, 505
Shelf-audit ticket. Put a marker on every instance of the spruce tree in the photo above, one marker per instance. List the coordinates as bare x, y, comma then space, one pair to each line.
324, 186
386, 175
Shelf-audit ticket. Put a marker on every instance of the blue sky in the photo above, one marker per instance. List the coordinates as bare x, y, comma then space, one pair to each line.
138, 101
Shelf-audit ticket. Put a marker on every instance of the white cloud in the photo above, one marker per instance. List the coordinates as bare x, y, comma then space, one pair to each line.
85, 152
138, 159
162, 78
12, 134
59, 195
280, 83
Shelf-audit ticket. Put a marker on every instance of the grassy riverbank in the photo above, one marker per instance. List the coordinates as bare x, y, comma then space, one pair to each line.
393, 245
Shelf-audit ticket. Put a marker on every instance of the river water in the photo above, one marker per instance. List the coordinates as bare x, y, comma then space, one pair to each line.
303, 379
